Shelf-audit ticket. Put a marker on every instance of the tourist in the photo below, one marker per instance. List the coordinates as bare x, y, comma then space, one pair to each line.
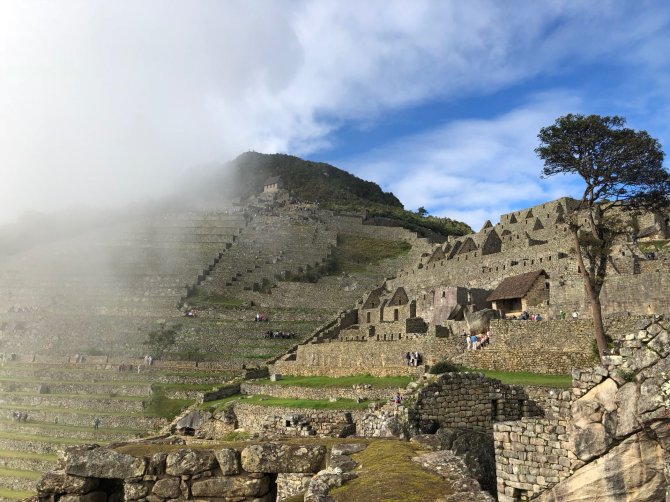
397, 399
473, 342
96, 422
575, 315
407, 358
538, 317
417, 358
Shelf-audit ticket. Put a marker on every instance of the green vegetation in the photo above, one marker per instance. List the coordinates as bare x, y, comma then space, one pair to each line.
16, 473
162, 338
444, 367
354, 252
161, 406
335, 382
524, 378
6, 493
310, 404
338, 190
41, 439
202, 298
28, 455
387, 473
653, 246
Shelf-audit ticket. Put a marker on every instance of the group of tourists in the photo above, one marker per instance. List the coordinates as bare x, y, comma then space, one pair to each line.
413, 359
562, 315
476, 342
19, 416
525, 316
279, 334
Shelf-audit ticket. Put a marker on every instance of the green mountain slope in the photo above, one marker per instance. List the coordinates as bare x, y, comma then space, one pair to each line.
335, 189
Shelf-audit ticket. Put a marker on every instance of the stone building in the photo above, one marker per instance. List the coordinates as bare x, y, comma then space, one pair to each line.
521, 293
272, 184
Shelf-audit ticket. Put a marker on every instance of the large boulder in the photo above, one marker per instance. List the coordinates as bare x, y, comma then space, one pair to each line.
595, 420
276, 458
631, 471
479, 321
104, 463
231, 487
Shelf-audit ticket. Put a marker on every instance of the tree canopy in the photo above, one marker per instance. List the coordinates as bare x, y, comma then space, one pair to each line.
620, 166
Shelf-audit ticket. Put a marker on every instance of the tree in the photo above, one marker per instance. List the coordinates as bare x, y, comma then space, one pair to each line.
422, 211
162, 338
623, 172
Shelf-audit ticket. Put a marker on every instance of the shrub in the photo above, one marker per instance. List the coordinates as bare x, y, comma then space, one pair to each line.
444, 367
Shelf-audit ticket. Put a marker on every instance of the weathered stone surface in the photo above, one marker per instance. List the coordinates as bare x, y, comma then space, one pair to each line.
167, 488
479, 322
89, 497
642, 359
105, 463
134, 491
156, 464
347, 448
661, 344
229, 461
276, 458
60, 482
452, 468
594, 420
631, 471
189, 462
231, 486
192, 420
626, 401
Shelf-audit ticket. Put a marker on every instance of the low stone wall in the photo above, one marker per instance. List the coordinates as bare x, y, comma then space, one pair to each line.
257, 473
289, 391
271, 421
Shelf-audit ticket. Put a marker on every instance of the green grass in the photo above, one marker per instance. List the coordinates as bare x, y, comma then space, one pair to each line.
76, 428
337, 382
26, 455
311, 404
653, 246
75, 411
16, 473
161, 406
8, 493
42, 439
522, 378
387, 473
355, 252
201, 297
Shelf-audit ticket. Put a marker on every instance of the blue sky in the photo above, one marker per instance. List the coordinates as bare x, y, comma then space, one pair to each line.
437, 101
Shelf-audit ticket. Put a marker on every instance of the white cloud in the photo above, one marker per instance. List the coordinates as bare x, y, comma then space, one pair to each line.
105, 101
472, 169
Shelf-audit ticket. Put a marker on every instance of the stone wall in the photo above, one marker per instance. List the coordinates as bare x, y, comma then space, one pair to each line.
257, 473
295, 392
274, 421
466, 401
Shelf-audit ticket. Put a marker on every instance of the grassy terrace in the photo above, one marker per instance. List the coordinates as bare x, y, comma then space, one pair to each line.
13, 436
519, 378
336, 382
312, 404
6, 493
50, 426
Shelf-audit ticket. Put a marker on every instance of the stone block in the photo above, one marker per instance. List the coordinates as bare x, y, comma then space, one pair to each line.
104, 463
228, 459
280, 458
231, 487
189, 462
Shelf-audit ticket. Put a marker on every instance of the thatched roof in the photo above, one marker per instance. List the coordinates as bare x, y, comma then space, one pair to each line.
516, 286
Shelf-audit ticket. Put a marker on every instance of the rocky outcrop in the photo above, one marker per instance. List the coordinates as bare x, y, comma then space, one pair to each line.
615, 442
633, 470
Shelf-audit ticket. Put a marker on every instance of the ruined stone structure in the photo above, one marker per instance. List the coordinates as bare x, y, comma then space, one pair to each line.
607, 439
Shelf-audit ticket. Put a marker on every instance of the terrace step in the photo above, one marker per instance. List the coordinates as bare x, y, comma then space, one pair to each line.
24, 480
